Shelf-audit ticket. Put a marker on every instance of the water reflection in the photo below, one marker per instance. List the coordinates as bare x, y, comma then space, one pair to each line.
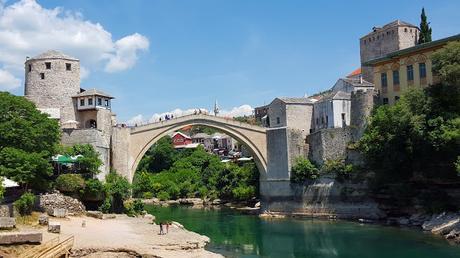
236, 235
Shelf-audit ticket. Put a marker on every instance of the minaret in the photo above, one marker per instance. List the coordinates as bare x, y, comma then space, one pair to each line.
216, 108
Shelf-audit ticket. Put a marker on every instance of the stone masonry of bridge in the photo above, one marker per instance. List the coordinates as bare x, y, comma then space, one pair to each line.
129, 144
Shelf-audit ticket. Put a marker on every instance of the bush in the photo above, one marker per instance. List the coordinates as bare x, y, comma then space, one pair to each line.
138, 206
106, 206
147, 195
303, 169
94, 190
163, 196
70, 183
243, 192
25, 204
119, 190
338, 167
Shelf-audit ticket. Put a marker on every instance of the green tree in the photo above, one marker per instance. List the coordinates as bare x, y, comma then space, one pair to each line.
446, 65
303, 169
28, 139
159, 157
117, 189
90, 161
70, 183
425, 30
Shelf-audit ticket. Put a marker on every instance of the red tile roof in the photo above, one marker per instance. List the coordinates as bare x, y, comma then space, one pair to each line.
355, 72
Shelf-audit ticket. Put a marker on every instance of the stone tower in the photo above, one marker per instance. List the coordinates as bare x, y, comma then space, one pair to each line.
51, 79
392, 37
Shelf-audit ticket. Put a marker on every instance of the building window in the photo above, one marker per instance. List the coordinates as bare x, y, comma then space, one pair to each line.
82, 102
278, 121
422, 70
90, 102
68, 67
99, 101
327, 120
385, 101
410, 72
106, 102
344, 122
396, 98
30, 67
48, 65
383, 79
42, 76
395, 77
405, 29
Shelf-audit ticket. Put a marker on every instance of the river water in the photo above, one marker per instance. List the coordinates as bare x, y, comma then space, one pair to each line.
234, 234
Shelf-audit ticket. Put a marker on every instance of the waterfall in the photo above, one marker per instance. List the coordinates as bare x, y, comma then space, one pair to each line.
316, 195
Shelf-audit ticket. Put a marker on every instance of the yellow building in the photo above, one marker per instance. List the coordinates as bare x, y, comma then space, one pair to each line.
406, 68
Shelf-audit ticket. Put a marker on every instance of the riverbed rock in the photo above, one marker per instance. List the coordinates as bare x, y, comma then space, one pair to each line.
50, 202
442, 223
216, 202
418, 219
257, 205
43, 220
95, 214
151, 201
54, 227
7, 223
191, 201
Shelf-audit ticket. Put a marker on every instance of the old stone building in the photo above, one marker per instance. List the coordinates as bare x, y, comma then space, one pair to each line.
52, 82
381, 41
411, 67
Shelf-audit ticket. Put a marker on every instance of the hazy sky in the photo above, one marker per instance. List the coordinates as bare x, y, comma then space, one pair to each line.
157, 56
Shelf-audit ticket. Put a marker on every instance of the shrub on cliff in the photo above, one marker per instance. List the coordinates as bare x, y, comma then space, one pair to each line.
338, 167
25, 204
94, 190
70, 183
303, 169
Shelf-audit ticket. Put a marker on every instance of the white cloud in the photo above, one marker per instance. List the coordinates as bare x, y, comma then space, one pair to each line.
126, 52
8, 81
234, 112
28, 29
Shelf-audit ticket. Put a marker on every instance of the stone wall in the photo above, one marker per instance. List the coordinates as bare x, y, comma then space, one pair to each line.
362, 103
120, 151
277, 109
299, 117
95, 137
329, 144
56, 89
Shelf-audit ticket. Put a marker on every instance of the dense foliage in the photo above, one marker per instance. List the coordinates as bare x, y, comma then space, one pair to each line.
303, 169
418, 138
89, 161
339, 168
28, 139
117, 190
196, 173
94, 190
25, 204
70, 183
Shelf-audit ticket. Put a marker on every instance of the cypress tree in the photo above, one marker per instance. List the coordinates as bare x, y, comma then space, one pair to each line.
425, 30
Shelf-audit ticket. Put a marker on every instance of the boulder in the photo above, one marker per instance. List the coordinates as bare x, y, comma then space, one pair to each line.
442, 223
417, 219
216, 202
54, 227
56, 200
257, 205
59, 213
95, 214
149, 217
43, 220
191, 201
11, 238
7, 223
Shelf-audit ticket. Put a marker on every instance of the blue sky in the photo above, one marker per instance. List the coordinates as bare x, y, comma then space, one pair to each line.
238, 52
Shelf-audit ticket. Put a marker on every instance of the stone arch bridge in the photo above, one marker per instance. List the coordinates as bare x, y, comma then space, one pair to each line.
129, 144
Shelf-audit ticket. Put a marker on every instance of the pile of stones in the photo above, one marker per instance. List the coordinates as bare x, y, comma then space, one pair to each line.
57, 201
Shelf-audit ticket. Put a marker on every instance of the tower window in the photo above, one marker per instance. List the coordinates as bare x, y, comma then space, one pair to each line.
42, 76
30, 67
405, 29
90, 102
68, 67
422, 70
106, 102
278, 120
48, 65
82, 102
99, 101
385, 101
410, 73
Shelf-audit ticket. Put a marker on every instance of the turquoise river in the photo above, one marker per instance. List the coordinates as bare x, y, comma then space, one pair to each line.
234, 234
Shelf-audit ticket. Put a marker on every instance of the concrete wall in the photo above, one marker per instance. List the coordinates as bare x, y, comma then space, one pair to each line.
56, 89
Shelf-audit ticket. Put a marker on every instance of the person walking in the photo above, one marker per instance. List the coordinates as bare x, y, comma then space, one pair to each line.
167, 227
161, 228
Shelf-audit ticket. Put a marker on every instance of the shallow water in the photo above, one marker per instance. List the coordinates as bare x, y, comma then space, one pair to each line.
234, 234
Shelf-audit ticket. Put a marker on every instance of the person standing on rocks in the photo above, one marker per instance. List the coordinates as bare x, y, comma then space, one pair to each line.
167, 227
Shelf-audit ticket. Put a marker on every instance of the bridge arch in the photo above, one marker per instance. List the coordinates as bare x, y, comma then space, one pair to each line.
141, 138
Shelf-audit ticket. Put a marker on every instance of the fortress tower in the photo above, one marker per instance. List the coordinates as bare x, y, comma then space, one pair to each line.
392, 37
51, 79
